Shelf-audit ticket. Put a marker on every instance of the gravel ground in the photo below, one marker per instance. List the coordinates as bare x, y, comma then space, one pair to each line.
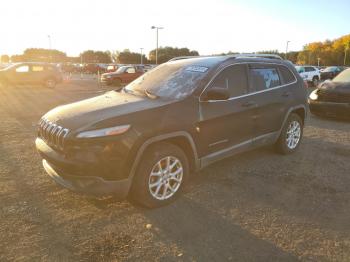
257, 206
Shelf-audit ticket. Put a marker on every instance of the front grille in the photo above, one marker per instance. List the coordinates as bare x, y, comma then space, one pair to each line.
53, 134
327, 96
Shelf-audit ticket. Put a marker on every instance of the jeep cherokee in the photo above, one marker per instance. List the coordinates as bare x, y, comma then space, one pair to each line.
145, 141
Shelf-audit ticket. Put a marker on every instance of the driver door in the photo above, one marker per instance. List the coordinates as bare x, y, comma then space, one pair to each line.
226, 126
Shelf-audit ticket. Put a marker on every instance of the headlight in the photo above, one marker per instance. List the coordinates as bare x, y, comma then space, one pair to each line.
313, 95
111, 131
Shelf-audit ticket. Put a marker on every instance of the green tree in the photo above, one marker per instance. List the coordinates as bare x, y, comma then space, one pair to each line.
127, 57
167, 53
43, 55
91, 56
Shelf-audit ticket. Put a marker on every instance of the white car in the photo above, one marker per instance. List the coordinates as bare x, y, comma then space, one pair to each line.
309, 73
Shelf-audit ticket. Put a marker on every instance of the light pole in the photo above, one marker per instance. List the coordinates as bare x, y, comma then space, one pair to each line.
141, 55
287, 49
50, 54
157, 28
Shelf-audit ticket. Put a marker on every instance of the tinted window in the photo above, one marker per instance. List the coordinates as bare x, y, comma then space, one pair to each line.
22, 69
287, 75
309, 69
234, 78
264, 78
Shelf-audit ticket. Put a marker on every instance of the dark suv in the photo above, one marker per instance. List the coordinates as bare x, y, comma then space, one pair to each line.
177, 118
31, 73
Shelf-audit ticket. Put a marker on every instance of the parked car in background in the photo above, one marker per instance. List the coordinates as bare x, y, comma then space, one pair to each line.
332, 97
311, 74
31, 73
124, 74
331, 72
112, 68
186, 114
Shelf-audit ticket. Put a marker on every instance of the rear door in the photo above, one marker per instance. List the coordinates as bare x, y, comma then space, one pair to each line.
273, 97
226, 124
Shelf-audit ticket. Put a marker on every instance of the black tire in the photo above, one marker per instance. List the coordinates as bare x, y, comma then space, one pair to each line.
315, 81
140, 191
50, 83
282, 142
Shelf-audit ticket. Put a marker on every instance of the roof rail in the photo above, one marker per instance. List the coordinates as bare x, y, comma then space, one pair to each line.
269, 56
182, 57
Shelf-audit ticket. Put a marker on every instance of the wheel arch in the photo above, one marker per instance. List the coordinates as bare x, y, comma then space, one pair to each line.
181, 139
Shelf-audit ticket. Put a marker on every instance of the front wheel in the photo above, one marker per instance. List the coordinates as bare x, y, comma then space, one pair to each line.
161, 175
291, 135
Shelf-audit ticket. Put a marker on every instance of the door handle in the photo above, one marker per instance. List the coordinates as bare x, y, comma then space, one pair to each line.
286, 94
249, 104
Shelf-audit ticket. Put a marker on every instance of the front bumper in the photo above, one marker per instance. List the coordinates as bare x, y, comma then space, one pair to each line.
95, 186
85, 176
330, 108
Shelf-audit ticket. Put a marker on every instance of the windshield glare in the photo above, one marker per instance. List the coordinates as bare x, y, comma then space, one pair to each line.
173, 80
343, 76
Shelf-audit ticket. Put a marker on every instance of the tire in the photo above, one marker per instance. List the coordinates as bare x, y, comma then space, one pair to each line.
289, 141
154, 161
50, 83
315, 81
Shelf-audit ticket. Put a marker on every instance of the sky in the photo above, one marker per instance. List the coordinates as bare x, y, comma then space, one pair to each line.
210, 27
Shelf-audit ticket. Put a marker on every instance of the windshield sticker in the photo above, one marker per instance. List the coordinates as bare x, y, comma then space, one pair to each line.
200, 69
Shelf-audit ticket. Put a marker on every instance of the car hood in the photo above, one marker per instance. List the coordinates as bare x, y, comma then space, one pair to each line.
86, 113
338, 87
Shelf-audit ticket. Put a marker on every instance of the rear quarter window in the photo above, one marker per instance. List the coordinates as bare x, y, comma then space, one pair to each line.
287, 76
264, 78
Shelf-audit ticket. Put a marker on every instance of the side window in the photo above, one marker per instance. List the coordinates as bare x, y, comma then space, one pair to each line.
286, 74
22, 69
131, 70
264, 78
37, 68
234, 78
310, 69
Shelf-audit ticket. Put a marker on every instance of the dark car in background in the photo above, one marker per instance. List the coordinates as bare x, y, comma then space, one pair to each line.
182, 116
45, 74
331, 72
332, 97
124, 74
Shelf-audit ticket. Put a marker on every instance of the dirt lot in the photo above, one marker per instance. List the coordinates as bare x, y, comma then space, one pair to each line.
257, 206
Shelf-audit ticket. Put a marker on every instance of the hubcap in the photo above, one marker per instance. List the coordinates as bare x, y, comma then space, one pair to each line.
165, 178
293, 134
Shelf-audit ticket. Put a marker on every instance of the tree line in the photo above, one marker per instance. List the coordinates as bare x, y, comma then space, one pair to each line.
91, 56
329, 52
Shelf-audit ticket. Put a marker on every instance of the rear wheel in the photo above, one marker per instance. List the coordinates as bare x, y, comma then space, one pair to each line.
291, 135
161, 175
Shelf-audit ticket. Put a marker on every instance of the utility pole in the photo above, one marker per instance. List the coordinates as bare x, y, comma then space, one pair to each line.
50, 48
287, 49
141, 56
318, 61
157, 28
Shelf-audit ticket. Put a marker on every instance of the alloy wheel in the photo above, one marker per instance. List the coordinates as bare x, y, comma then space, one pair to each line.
165, 178
293, 134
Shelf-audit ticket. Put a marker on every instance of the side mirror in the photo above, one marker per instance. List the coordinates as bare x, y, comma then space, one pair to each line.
217, 93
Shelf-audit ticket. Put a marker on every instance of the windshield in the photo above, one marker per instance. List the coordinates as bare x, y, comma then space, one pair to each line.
343, 76
329, 69
299, 69
174, 80
121, 69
